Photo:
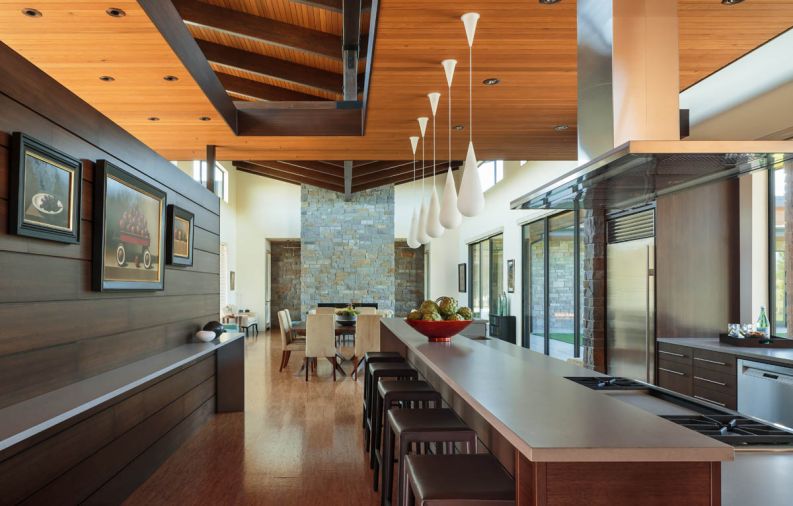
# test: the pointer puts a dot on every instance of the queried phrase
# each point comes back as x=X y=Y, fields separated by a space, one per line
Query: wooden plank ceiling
x=530 y=47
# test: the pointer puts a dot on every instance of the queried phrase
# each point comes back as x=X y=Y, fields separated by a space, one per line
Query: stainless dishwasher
x=766 y=391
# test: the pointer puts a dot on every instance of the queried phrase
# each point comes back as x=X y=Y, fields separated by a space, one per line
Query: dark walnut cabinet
x=706 y=375
x=503 y=327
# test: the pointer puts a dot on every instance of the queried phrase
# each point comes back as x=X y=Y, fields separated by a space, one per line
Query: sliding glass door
x=552 y=274
x=486 y=259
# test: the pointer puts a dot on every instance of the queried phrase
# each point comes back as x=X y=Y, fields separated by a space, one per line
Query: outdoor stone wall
x=593 y=288
x=285 y=279
x=347 y=247
x=409 y=277
x=561 y=288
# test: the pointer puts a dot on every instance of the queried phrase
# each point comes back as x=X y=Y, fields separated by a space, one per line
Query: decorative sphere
x=215 y=327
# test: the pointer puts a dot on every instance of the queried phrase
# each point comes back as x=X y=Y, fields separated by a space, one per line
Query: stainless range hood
x=628 y=90
x=640 y=171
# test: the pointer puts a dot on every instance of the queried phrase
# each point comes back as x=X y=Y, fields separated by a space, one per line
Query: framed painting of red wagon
x=129 y=231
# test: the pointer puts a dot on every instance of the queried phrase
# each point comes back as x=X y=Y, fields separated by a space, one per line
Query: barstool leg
x=388 y=464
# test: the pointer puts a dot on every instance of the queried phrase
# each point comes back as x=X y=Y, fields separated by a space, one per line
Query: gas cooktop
x=607 y=383
x=734 y=429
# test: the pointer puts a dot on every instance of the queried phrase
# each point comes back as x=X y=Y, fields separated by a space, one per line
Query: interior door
x=630 y=308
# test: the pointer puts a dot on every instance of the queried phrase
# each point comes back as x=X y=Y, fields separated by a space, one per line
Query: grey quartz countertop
x=779 y=355
x=524 y=395
x=33 y=416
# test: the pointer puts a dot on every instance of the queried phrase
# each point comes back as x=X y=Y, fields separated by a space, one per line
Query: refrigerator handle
x=649 y=273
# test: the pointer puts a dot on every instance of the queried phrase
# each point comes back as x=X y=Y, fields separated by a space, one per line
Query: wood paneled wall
x=697 y=261
x=55 y=330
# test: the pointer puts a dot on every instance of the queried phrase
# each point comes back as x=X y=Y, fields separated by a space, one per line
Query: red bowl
x=439 y=331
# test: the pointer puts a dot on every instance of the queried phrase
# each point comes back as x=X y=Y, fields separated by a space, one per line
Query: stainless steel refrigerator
x=630 y=296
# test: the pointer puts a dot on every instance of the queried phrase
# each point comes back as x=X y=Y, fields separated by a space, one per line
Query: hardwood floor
x=297 y=443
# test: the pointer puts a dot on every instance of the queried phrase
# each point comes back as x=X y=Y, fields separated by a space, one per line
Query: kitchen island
x=563 y=443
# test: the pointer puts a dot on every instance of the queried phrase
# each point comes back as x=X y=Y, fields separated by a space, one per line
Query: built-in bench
x=97 y=439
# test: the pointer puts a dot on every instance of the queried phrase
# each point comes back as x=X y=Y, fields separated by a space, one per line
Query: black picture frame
x=114 y=237
x=462 y=278
x=177 y=220
x=511 y=276
x=36 y=194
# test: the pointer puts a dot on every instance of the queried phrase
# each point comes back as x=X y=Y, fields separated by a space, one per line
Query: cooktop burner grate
x=735 y=430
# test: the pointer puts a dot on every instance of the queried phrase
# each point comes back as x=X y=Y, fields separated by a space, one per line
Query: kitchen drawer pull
x=671 y=371
x=710 y=400
x=711 y=381
x=710 y=361
x=671 y=353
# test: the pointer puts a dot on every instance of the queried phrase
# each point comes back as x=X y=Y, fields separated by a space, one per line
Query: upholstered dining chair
x=321 y=340
x=288 y=345
x=366 y=310
x=367 y=338
x=326 y=310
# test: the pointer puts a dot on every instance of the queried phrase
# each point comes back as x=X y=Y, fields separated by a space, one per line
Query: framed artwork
x=179 y=234
x=45 y=191
x=462 y=278
x=129 y=231
x=511 y=276
x=232 y=280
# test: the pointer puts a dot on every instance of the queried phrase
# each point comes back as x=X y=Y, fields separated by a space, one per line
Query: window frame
x=490 y=266
x=773 y=166
x=526 y=295
x=200 y=175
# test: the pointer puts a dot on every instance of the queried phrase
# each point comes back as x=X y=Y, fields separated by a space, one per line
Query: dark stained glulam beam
x=297 y=172
x=311 y=119
x=263 y=29
x=351 y=44
x=403 y=174
x=381 y=166
x=331 y=5
x=300 y=167
x=271 y=67
x=295 y=177
x=369 y=45
x=170 y=25
x=287 y=179
x=262 y=91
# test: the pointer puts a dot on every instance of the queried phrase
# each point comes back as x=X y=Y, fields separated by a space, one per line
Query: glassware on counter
x=734 y=330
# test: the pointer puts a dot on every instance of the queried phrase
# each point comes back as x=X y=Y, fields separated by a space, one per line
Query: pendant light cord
x=433 y=148
x=470 y=94
x=422 y=168
x=450 y=126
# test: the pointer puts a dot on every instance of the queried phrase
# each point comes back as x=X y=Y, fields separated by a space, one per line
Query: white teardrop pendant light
x=434 y=227
x=450 y=216
x=471 y=200
x=413 y=241
x=422 y=235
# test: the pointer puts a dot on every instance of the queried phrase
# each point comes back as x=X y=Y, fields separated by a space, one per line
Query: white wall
x=451 y=249
x=266 y=209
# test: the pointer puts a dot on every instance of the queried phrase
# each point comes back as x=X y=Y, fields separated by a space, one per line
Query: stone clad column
x=593 y=287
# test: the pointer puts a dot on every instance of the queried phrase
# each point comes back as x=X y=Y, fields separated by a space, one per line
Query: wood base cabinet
x=703 y=374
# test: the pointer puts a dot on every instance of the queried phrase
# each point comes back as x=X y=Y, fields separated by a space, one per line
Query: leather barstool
x=447 y=480
x=411 y=393
x=378 y=371
x=373 y=357
x=420 y=427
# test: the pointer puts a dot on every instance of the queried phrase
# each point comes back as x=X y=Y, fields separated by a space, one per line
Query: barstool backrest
x=366 y=310
x=367 y=334
x=326 y=310
x=320 y=335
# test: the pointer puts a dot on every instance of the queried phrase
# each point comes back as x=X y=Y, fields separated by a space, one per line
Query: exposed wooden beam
x=348 y=178
x=170 y=25
x=332 y=5
x=299 y=118
x=370 y=42
x=262 y=91
x=273 y=170
x=300 y=167
x=272 y=67
x=211 y=159
x=382 y=166
x=262 y=173
x=260 y=28
x=402 y=174
x=351 y=44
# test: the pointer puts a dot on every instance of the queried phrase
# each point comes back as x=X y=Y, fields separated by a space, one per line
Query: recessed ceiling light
x=31 y=13
x=459 y=127
x=205 y=118
x=107 y=79
x=154 y=118
x=731 y=2
x=171 y=78
x=549 y=2
x=491 y=81
x=561 y=128
x=116 y=12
